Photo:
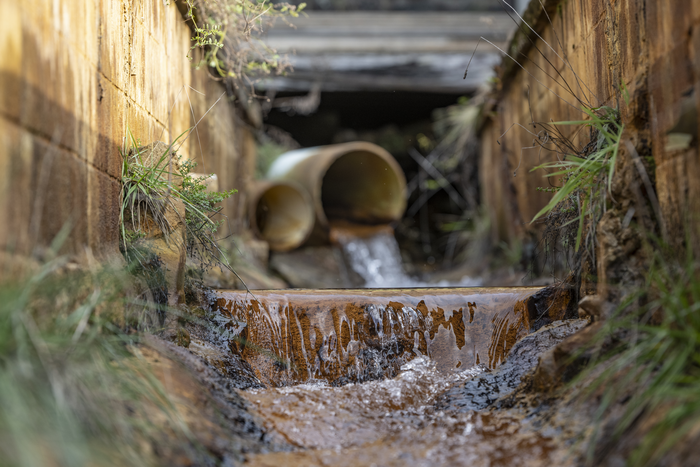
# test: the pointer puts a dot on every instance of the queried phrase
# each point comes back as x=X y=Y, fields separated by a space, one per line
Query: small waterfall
x=373 y=253
x=351 y=336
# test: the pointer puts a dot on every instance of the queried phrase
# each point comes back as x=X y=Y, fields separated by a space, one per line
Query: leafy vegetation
x=226 y=32
x=153 y=180
x=146 y=191
x=586 y=177
x=202 y=205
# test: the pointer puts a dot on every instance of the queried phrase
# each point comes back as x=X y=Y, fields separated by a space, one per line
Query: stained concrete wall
x=653 y=46
x=74 y=75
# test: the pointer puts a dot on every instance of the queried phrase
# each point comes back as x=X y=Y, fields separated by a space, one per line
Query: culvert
x=358 y=182
x=281 y=213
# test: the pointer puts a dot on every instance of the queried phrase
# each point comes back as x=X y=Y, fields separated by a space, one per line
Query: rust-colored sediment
x=342 y=336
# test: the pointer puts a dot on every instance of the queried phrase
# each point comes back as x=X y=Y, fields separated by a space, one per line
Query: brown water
x=353 y=375
x=343 y=336
x=394 y=422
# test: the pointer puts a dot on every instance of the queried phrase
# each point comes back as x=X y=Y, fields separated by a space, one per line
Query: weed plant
x=149 y=191
x=146 y=192
x=227 y=32
x=74 y=389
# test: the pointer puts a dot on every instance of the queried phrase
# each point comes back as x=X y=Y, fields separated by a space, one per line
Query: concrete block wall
x=74 y=76
x=653 y=46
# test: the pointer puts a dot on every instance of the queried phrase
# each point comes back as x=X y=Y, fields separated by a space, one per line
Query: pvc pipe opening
x=360 y=186
x=281 y=214
x=358 y=182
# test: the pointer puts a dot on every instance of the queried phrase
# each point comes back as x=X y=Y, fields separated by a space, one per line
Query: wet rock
x=359 y=335
x=553 y=303
x=393 y=422
x=565 y=360
x=484 y=390
x=206 y=342
x=237 y=372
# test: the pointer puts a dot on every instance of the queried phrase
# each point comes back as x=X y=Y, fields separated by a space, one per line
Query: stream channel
x=388 y=376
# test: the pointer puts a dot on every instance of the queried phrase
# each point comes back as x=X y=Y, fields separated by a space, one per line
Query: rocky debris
x=248 y=276
x=249 y=258
x=564 y=361
x=231 y=367
x=595 y=308
x=482 y=391
x=196 y=330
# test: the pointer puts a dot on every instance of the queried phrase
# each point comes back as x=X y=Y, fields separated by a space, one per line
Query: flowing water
x=344 y=336
x=352 y=377
x=373 y=253
x=394 y=423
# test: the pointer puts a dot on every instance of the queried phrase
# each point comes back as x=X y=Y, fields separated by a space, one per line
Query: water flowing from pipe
x=374 y=254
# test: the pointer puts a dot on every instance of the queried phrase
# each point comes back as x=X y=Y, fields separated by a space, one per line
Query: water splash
x=324 y=412
x=394 y=423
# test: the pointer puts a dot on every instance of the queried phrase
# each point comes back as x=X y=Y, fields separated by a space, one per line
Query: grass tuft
x=586 y=177
x=73 y=387
x=654 y=364
x=151 y=188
